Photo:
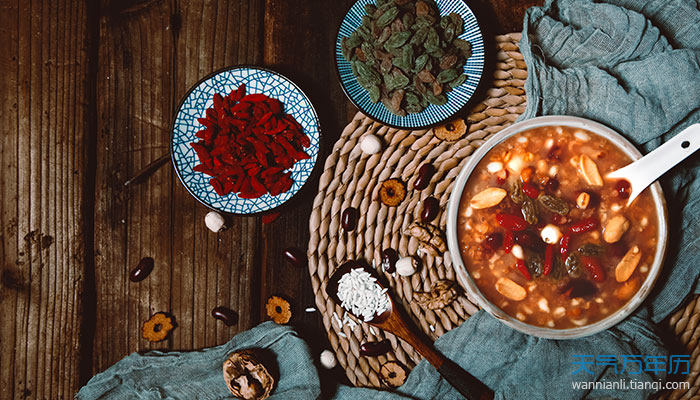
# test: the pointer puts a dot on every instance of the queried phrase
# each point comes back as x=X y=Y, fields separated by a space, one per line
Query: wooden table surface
x=88 y=90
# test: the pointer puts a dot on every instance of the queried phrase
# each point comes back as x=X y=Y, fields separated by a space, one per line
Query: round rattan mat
x=351 y=179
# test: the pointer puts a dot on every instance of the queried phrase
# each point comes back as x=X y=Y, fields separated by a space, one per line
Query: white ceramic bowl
x=470 y=286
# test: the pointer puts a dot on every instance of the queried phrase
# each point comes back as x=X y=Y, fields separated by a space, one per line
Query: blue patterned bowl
x=433 y=115
x=194 y=105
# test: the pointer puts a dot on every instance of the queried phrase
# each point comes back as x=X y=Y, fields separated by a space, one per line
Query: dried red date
x=425 y=174
x=584 y=225
x=225 y=314
x=349 y=219
x=512 y=222
x=295 y=256
x=142 y=270
x=431 y=208
x=373 y=349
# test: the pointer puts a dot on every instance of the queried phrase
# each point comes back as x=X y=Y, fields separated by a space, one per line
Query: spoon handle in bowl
x=649 y=168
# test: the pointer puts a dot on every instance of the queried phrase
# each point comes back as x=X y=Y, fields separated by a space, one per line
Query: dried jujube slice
x=393 y=373
x=392 y=192
x=158 y=327
x=451 y=131
x=278 y=309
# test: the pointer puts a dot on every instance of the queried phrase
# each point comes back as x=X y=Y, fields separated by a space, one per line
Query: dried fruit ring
x=278 y=309
x=393 y=373
x=158 y=327
x=451 y=131
x=392 y=192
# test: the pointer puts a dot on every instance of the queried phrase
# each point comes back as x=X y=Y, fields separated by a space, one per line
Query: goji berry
x=547 y=267
x=508 y=241
x=530 y=190
x=593 y=266
x=512 y=222
x=520 y=265
x=584 y=225
x=564 y=246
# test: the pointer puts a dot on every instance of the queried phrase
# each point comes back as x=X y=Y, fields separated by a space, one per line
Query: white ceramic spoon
x=649 y=168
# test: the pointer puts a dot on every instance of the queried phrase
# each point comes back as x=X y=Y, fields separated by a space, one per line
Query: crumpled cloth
x=632 y=65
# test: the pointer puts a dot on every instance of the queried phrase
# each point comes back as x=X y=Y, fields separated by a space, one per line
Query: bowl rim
x=179 y=107
x=415 y=128
x=468 y=283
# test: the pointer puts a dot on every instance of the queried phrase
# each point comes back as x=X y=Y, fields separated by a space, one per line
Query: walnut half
x=246 y=377
x=430 y=237
x=442 y=293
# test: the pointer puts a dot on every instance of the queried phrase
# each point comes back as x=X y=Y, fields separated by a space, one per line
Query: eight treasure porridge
x=546 y=237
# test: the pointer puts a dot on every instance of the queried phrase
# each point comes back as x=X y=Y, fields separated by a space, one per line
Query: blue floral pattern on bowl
x=194 y=105
x=433 y=115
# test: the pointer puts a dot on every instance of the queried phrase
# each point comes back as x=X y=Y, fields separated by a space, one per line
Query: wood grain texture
x=43 y=56
x=89 y=89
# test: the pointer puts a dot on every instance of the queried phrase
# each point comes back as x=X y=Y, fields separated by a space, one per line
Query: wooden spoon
x=394 y=322
x=649 y=168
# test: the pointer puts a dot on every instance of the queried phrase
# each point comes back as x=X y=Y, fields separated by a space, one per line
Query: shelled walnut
x=246 y=376
x=442 y=293
x=430 y=237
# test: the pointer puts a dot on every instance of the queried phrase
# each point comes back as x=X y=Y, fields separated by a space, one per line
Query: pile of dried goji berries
x=248 y=145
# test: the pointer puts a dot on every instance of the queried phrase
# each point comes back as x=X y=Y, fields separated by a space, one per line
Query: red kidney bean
x=431 y=208
x=530 y=190
x=349 y=219
x=593 y=266
x=225 y=314
x=564 y=246
x=530 y=240
x=520 y=265
x=142 y=270
x=584 y=225
x=373 y=349
x=547 y=268
x=295 y=256
x=554 y=153
x=508 y=241
x=552 y=185
x=579 y=287
x=623 y=188
x=425 y=174
x=389 y=259
x=512 y=222
x=493 y=241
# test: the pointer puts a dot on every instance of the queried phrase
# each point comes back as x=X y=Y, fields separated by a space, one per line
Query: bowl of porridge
x=543 y=240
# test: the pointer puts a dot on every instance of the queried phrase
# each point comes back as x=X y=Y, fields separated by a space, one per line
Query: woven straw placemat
x=351 y=179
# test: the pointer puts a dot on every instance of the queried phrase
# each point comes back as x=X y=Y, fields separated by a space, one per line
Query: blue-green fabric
x=632 y=65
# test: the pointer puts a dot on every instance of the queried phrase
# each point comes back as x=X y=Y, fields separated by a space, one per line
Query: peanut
x=628 y=264
x=582 y=200
x=487 y=198
x=589 y=170
x=615 y=228
x=510 y=289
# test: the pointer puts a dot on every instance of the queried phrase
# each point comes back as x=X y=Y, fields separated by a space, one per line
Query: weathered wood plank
x=44 y=61
x=149 y=57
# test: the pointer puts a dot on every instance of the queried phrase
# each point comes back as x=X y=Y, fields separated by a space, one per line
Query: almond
x=589 y=170
x=615 y=228
x=510 y=289
x=487 y=198
x=628 y=264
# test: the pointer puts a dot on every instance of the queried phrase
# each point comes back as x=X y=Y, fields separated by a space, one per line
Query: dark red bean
x=389 y=259
x=373 y=349
x=623 y=188
x=349 y=219
x=579 y=287
x=584 y=225
x=225 y=314
x=295 y=256
x=493 y=241
x=141 y=271
x=594 y=268
x=512 y=222
x=554 y=153
x=431 y=208
x=530 y=240
x=552 y=185
x=530 y=190
x=425 y=174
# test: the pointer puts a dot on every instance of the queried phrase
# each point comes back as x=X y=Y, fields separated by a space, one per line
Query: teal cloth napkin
x=630 y=64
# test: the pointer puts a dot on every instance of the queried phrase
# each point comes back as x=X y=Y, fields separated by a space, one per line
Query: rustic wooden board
x=88 y=92
x=43 y=90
